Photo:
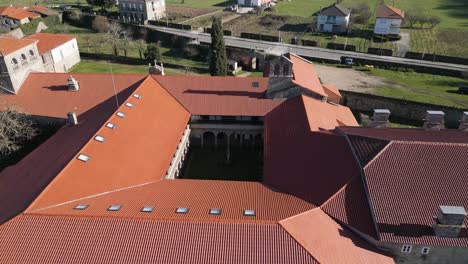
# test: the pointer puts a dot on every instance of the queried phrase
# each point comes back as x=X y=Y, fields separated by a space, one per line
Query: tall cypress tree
x=218 y=61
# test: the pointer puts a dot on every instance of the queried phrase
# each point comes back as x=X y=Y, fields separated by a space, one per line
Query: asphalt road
x=320 y=53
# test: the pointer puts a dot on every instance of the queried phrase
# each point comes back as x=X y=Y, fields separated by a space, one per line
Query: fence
x=339 y=46
x=435 y=57
x=260 y=37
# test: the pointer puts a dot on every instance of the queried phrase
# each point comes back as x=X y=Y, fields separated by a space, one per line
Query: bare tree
x=100 y=24
x=15 y=128
x=141 y=46
x=114 y=36
x=433 y=21
x=411 y=18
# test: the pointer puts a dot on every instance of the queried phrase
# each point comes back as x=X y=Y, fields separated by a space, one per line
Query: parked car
x=463 y=89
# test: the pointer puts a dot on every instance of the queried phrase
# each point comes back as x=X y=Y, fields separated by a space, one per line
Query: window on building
x=31 y=53
x=406 y=248
x=425 y=250
x=141 y=7
x=277 y=70
x=142 y=17
x=285 y=70
x=14 y=62
x=23 y=57
x=123 y=6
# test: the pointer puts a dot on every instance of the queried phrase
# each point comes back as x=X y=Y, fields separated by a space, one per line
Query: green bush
x=30 y=28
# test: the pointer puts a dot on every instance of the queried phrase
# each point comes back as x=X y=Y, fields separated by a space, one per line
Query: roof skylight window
x=255 y=84
x=249 y=212
x=137 y=96
x=182 y=210
x=81 y=206
x=215 y=211
x=120 y=114
x=114 y=207
x=110 y=125
x=129 y=104
x=99 y=138
x=147 y=209
x=83 y=157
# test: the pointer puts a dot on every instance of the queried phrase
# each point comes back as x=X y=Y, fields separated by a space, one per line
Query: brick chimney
x=464 y=122
x=434 y=120
x=449 y=221
x=72 y=119
x=73 y=85
x=380 y=118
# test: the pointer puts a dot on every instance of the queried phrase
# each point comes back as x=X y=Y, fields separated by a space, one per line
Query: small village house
x=333 y=19
x=388 y=20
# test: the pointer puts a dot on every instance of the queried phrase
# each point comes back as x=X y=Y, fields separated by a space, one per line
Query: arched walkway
x=208 y=139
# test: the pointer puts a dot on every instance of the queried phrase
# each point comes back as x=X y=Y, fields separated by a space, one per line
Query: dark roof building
x=335 y=10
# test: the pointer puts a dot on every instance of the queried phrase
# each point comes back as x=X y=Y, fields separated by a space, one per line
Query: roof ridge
x=337 y=192
x=169 y=93
x=378 y=154
x=409 y=142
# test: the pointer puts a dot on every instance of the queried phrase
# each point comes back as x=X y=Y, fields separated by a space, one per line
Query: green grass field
x=201 y=3
x=426 y=88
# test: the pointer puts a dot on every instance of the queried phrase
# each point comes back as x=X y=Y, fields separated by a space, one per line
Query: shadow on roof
x=228 y=93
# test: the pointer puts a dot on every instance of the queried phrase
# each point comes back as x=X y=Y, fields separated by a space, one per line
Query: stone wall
x=399 y=108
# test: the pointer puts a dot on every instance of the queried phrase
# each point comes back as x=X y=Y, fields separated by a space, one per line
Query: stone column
x=228 y=154
x=216 y=140
x=241 y=138
x=202 y=136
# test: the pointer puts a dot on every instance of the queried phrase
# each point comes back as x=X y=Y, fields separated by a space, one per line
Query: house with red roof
x=14 y=16
x=388 y=20
x=105 y=187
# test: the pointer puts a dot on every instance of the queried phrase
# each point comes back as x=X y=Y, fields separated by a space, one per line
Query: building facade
x=140 y=11
x=388 y=20
x=334 y=19
x=253 y=2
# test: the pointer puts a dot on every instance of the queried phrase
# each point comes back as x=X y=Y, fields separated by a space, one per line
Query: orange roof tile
x=41 y=10
x=10 y=45
x=48 y=42
x=385 y=11
x=57 y=101
x=304 y=75
x=199 y=196
x=229 y=96
x=152 y=128
x=16 y=12
x=331 y=90
x=329 y=242
x=323 y=115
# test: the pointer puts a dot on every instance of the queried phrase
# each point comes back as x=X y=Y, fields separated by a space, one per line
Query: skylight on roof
x=120 y=114
x=114 y=207
x=147 y=209
x=83 y=157
x=137 y=96
x=182 y=210
x=129 y=104
x=110 y=125
x=81 y=206
x=249 y=212
x=255 y=84
x=215 y=211
x=99 y=138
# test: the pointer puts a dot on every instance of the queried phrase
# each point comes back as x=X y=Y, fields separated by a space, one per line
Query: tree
x=114 y=36
x=361 y=14
x=101 y=3
x=15 y=128
x=141 y=46
x=434 y=21
x=218 y=61
x=153 y=53
x=100 y=24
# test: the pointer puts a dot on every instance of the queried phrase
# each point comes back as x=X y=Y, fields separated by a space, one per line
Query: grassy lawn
x=201 y=3
x=210 y=164
x=426 y=88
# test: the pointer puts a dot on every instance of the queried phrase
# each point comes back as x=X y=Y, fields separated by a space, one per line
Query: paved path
x=403 y=44
x=314 y=52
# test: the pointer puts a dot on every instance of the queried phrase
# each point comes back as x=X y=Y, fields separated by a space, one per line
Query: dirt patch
x=181 y=13
x=348 y=79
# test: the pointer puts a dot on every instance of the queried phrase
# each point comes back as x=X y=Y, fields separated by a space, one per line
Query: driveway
x=403 y=45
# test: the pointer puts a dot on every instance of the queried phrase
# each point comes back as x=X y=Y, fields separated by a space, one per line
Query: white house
x=140 y=11
x=253 y=2
x=334 y=19
x=388 y=20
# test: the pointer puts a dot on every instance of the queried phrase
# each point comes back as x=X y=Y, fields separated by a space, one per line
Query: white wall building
x=388 y=20
x=140 y=11
x=253 y=2
x=334 y=19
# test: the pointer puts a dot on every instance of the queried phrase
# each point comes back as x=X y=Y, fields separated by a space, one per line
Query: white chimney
x=380 y=118
x=464 y=122
x=73 y=85
x=72 y=119
x=449 y=221
x=434 y=120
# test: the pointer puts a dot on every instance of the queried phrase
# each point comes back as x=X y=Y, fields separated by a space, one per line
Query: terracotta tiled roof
x=331 y=90
x=41 y=10
x=199 y=196
x=110 y=240
x=304 y=75
x=229 y=96
x=16 y=12
x=57 y=101
x=408 y=134
x=366 y=148
x=329 y=242
x=152 y=128
x=385 y=11
x=48 y=42
x=10 y=45
x=407 y=183
x=322 y=115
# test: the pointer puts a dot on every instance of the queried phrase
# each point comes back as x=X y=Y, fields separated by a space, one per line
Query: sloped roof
x=10 y=45
x=48 y=42
x=232 y=197
x=335 y=10
x=331 y=90
x=57 y=101
x=329 y=242
x=146 y=131
x=228 y=96
x=386 y=11
x=407 y=183
x=16 y=12
x=41 y=10
x=111 y=240
x=323 y=115
x=304 y=74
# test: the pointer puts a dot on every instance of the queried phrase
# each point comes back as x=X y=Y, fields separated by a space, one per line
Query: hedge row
x=304 y=42
x=339 y=46
x=435 y=57
x=170 y=25
x=225 y=32
x=260 y=37
x=381 y=52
